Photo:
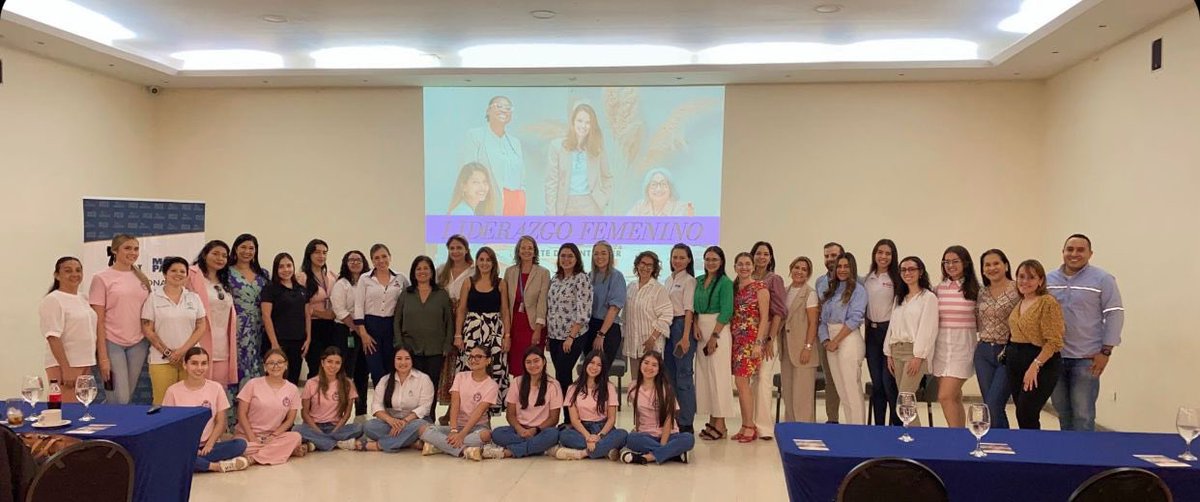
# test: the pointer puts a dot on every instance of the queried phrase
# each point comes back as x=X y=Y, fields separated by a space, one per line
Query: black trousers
x=357 y=369
x=326 y=333
x=292 y=349
x=612 y=340
x=431 y=366
x=1018 y=358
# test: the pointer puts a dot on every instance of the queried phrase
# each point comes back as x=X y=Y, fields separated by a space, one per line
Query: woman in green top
x=424 y=321
x=713 y=308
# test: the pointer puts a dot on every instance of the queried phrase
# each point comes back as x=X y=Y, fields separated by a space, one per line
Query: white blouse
x=414 y=395
x=915 y=321
x=71 y=319
x=173 y=322
x=343 y=296
x=647 y=311
x=681 y=288
x=377 y=299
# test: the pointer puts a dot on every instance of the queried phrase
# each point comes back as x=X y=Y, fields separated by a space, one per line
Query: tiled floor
x=724 y=470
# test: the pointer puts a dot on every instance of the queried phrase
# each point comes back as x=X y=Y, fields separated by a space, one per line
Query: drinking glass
x=85 y=392
x=16 y=417
x=1188 y=423
x=979 y=421
x=31 y=391
x=906 y=409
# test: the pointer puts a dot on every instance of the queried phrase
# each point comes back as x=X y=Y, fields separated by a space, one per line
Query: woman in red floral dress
x=751 y=303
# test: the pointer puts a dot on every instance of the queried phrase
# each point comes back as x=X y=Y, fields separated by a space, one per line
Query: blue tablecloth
x=163 y=445
x=1048 y=465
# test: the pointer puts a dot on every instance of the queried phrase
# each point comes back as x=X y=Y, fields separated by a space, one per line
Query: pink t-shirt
x=647 y=413
x=268 y=407
x=534 y=415
x=472 y=394
x=324 y=408
x=211 y=396
x=586 y=404
x=122 y=295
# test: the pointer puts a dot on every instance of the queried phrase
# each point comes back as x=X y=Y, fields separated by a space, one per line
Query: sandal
x=742 y=438
x=711 y=433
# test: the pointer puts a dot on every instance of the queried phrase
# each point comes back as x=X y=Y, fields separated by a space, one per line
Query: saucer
x=44 y=425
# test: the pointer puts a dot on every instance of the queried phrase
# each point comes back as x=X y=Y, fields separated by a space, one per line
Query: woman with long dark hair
x=267 y=408
x=474 y=391
x=342 y=299
x=212 y=454
x=1035 y=363
x=749 y=326
x=482 y=320
x=424 y=321
x=286 y=315
x=713 y=309
x=912 y=332
x=208 y=277
x=680 y=351
x=532 y=414
x=459 y=268
x=954 y=354
x=880 y=283
x=401 y=401
x=327 y=405
x=997 y=298
x=843 y=307
x=68 y=324
x=317 y=280
x=761 y=382
x=568 y=307
x=592 y=431
x=655 y=437
x=247 y=278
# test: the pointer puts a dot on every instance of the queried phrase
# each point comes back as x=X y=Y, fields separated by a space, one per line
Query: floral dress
x=246 y=301
x=744 y=326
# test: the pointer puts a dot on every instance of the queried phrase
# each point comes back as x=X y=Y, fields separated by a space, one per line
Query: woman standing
x=880 y=283
x=608 y=298
x=955 y=350
x=247 y=278
x=375 y=304
x=286 y=314
x=68 y=324
x=713 y=310
x=578 y=182
x=842 y=311
x=473 y=393
x=762 y=381
x=425 y=321
x=526 y=285
x=912 y=333
x=681 y=349
x=342 y=300
x=267 y=408
x=482 y=320
x=997 y=298
x=173 y=322
x=569 y=303
x=401 y=399
x=318 y=281
x=593 y=418
x=459 y=268
x=1033 y=354
x=117 y=295
x=797 y=353
x=212 y=455
x=209 y=279
x=532 y=414
x=647 y=309
x=749 y=326
x=326 y=405
x=655 y=438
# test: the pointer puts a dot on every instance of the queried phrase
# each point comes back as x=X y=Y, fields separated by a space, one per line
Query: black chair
x=103 y=470
x=17 y=466
x=891 y=478
x=927 y=392
x=1125 y=484
x=778 y=383
x=617 y=369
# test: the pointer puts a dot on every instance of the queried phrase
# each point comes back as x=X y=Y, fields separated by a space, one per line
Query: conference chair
x=926 y=393
x=17 y=467
x=1125 y=484
x=98 y=471
x=892 y=478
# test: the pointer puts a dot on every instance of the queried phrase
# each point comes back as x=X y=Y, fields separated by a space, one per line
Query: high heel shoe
x=742 y=438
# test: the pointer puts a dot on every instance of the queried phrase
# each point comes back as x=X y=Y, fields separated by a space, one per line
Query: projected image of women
x=659 y=197
x=578 y=182
x=497 y=149
x=473 y=193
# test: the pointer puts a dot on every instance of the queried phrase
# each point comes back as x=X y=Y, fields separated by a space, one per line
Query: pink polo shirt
x=533 y=415
x=122 y=295
x=586 y=403
x=268 y=407
x=955 y=311
x=211 y=396
x=647 y=413
x=472 y=394
x=324 y=408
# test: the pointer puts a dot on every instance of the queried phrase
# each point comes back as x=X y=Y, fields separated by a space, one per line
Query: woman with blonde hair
x=578 y=181
x=117 y=295
x=608 y=299
x=473 y=193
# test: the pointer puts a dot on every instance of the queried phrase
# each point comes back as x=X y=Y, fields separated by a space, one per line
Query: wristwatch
x=808 y=346
x=454 y=431
x=1106 y=351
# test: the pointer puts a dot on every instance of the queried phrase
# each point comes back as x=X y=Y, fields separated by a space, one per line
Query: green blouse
x=718 y=302
x=427 y=328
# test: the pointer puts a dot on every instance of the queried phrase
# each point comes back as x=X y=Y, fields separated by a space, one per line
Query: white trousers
x=714 y=372
x=846 y=366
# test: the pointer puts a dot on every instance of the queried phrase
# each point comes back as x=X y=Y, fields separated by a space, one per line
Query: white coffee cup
x=51 y=416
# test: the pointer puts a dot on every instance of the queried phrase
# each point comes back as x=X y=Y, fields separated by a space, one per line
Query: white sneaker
x=429 y=449
x=473 y=453
x=570 y=454
x=234 y=464
x=553 y=451
x=348 y=444
x=492 y=451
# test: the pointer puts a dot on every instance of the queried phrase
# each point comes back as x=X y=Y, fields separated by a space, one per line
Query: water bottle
x=55 y=402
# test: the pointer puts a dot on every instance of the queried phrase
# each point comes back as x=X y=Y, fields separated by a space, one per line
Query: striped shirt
x=954 y=310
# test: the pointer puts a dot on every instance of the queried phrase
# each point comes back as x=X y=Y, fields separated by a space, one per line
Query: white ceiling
x=444 y=27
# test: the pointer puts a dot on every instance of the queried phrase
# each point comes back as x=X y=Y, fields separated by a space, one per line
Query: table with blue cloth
x=1047 y=465
x=163 y=445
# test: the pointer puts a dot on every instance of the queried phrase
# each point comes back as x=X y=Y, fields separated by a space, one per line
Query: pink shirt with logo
x=211 y=396
x=324 y=408
x=586 y=403
x=647 y=413
x=268 y=406
x=122 y=295
x=472 y=394
x=533 y=415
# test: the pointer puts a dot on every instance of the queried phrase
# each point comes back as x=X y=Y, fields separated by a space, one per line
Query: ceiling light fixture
x=543 y=14
x=1034 y=14
x=72 y=18
x=572 y=55
x=828 y=8
x=229 y=59
x=274 y=18
x=904 y=49
x=374 y=57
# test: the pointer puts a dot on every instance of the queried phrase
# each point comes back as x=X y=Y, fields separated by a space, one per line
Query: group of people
x=464 y=335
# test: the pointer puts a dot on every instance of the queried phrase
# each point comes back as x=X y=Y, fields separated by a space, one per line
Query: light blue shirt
x=608 y=292
x=1092 y=310
x=462 y=209
x=579 y=173
x=833 y=311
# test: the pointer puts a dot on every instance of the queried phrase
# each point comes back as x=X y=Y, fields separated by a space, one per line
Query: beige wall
x=64 y=133
x=1122 y=168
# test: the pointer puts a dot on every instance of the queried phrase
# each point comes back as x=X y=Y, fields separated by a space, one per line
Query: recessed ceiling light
x=274 y=18
x=229 y=59
x=1103 y=26
x=374 y=56
x=72 y=18
x=572 y=55
x=903 y=49
x=828 y=8
x=543 y=14
x=1034 y=14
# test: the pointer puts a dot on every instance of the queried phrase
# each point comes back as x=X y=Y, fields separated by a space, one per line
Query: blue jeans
x=1074 y=397
x=379 y=431
x=571 y=438
x=520 y=447
x=325 y=437
x=681 y=374
x=223 y=450
x=381 y=329
x=993 y=382
x=127 y=364
x=883 y=385
x=678 y=444
x=439 y=436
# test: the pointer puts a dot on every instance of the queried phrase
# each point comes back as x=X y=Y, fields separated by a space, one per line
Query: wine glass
x=85 y=392
x=979 y=421
x=906 y=409
x=1188 y=423
x=31 y=391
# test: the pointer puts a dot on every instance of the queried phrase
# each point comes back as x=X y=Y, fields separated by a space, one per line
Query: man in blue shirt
x=1094 y=315
x=832 y=402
